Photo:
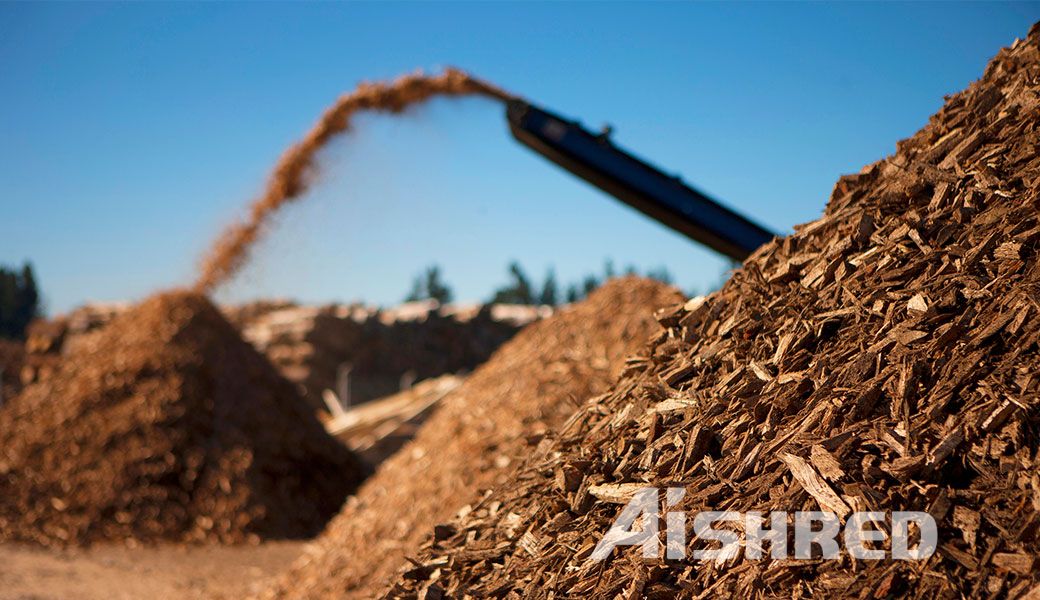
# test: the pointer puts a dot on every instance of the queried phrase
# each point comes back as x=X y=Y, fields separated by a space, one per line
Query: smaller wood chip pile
x=165 y=424
x=882 y=358
x=529 y=386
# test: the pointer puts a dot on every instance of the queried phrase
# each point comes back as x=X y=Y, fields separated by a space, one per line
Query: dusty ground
x=117 y=572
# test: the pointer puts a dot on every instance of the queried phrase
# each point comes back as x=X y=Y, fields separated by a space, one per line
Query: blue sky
x=131 y=133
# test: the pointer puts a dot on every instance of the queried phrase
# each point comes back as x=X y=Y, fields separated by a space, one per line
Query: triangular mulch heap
x=528 y=387
x=884 y=357
x=166 y=425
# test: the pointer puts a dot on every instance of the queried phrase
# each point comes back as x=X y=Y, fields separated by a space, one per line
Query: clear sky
x=131 y=133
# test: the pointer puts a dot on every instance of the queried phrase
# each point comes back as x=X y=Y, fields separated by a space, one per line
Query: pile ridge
x=528 y=387
x=881 y=358
x=166 y=425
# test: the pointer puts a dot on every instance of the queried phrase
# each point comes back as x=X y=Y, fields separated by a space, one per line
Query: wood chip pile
x=881 y=358
x=166 y=425
x=530 y=386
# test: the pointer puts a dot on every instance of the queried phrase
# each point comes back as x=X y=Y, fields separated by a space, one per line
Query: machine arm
x=665 y=198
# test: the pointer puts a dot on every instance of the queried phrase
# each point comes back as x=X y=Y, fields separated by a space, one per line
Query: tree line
x=521 y=289
x=19 y=300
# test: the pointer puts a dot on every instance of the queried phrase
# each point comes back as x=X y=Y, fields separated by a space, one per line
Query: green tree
x=518 y=290
x=661 y=274
x=430 y=284
x=417 y=291
x=19 y=300
x=8 y=303
x=436 y=288
x=589 y=285
x=28 y=297
x=550 y=289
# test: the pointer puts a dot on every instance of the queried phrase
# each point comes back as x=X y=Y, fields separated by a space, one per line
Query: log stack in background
x=377 y=429
x=414 y=341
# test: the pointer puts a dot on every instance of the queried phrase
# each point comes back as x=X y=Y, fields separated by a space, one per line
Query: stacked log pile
x=530 y=386
x=881 y=358
x=377 y=429
x=166 y=425
x=311 y=345
x=307 y=345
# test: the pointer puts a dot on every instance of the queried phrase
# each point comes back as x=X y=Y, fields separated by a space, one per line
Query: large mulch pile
x=166 y=425
x=884 y=357
x=530 y=386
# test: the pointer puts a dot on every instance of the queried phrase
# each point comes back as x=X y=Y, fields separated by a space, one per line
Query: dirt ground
x=116 y=572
